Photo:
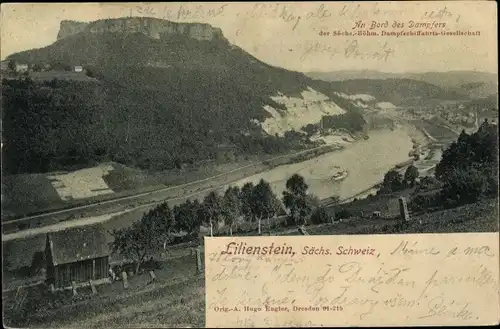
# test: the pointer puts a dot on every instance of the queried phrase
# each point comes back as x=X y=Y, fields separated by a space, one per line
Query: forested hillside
x=397 y=91
x=468 y=84
x=156 y=104
x=469 y=167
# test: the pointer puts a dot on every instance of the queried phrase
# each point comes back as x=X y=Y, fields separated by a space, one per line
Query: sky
x=288 y=34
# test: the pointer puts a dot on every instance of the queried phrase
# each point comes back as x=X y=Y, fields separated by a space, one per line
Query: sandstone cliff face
x=152 y=27
x=68 y=28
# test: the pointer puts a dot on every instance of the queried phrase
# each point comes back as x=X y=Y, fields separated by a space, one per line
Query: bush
x=320 y=216
x=343 y=213
x=290 y=221
x=424 y=202
x=125 y=267
x=151 y=265
x=428 y=183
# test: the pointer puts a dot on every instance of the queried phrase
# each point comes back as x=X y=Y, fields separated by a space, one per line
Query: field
x=28 y=193
x=34 y=193
x=83 y=183
x=177 y=298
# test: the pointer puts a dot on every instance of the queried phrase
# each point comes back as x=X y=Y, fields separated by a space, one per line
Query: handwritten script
x=287 y=14
x=349 y=49
x=409 y=280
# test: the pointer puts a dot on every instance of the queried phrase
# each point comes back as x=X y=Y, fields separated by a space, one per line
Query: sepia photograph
x=133 y=132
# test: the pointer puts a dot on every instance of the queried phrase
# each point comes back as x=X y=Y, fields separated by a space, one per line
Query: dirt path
x=59 y=226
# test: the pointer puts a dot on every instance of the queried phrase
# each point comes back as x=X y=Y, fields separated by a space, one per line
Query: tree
x=187 y=216
x=468 y=168
x=335 y=200
x=297 y=185
x=231 y=207
x=457 y=155
x=264 y=203
x=36 y=67
x=145 y=236
x=246 y=195
x=393 y=181
x=212 y=210
x=343 y=214
x=411 y=174
x=429 y=183
x=310 y=129
x=295 y=199
x=164 y=217
x=464 y=185
x=11 y=65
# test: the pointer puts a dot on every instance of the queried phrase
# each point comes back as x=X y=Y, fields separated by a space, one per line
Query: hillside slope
x=470 y=84
x=167 y=94
x=396 y=91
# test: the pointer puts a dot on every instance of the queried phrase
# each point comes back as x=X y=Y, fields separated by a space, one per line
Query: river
x=366 y=161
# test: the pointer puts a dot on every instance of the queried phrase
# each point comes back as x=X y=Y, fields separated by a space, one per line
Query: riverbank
x=366 y=160
x=176 y=194
x=31 y=239
x=317 y=165
x=125 y=212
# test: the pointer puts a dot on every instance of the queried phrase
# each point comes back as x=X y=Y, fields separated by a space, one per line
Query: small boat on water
x=340 y=175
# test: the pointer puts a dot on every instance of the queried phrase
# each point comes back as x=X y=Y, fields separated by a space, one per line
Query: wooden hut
x=79 y=254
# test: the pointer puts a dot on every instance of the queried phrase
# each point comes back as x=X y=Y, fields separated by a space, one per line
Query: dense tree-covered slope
x=157 y=102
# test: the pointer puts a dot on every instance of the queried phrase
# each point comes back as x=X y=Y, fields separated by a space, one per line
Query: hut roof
x=77 y=244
